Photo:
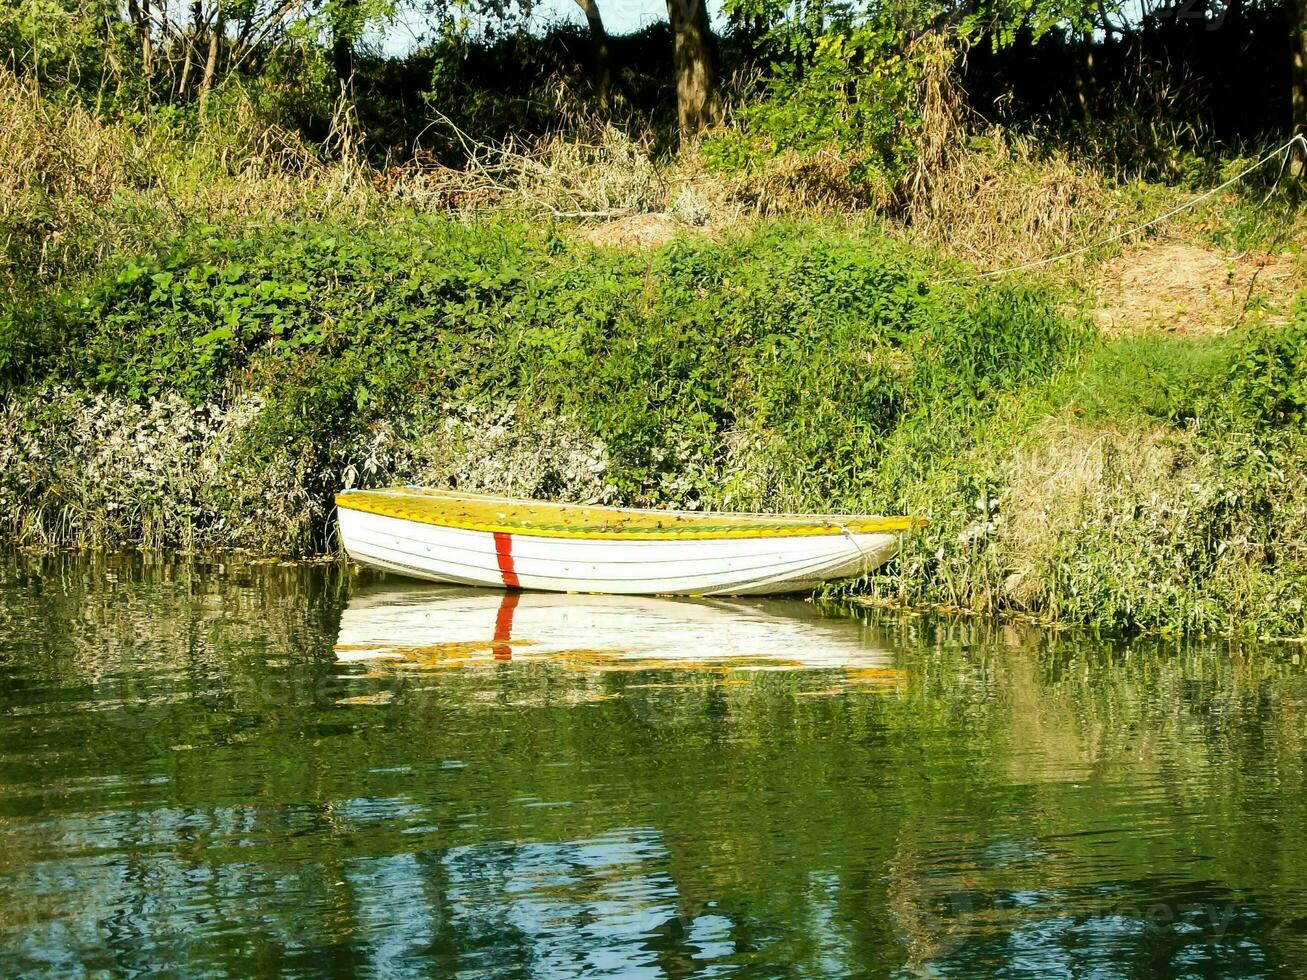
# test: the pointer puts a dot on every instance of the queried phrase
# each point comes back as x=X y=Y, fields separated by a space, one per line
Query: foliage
x=791 y=330
x=853 y=88
x=1270 y=373
x=1120 y=481
x=68 y=43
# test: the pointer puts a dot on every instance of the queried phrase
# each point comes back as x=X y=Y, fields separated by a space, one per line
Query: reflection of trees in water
x=1097 y=759
x=89 y=616
x=1018 y=794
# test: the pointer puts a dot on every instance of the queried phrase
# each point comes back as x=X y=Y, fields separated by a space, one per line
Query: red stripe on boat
x=504 y=626
x=504 y=554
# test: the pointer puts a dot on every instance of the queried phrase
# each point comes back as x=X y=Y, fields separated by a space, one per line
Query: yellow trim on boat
x=538 y=518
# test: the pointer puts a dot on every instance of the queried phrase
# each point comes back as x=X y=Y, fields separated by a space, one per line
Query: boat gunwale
x=752 y=526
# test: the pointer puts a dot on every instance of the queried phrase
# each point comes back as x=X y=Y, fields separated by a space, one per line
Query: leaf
x=215 y=335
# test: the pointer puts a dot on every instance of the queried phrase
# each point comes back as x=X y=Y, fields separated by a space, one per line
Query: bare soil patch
x=636 y=231
x=1191 y=289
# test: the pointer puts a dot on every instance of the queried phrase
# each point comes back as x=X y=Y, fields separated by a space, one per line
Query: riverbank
x=215 y=392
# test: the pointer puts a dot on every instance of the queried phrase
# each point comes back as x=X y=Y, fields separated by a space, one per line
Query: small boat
x=502 y=542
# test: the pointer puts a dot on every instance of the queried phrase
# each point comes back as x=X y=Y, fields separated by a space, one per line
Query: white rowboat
x=502 y=542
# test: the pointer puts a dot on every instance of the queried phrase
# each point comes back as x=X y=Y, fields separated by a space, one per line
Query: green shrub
x=852 y=88
x=31 y=338
x=796 y=367
x=1269 y=373
x=793 y=334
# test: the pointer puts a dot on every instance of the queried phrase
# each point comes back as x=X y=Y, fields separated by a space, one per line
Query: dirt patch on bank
x=1189 y=289
x=636 y=231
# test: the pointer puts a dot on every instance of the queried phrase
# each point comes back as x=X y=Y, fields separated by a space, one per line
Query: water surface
x=228 y=768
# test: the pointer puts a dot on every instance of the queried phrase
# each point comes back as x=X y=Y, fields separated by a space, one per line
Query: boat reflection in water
x=452 y=627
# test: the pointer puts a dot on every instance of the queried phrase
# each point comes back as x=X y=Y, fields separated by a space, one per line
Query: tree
x=698 y=104
x=1298 y=18
x=346 y=24
x=602 y=57
x=216 y=38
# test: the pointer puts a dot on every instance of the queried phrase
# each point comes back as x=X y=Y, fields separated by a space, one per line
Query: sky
x=620 y=17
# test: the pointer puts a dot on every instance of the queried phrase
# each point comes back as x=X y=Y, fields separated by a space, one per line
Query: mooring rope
x=1298 y=139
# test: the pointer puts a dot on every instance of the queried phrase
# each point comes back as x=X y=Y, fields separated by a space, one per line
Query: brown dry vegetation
x=595 y=171
x=1187 y=288
x=75 y=188
x=633 y=232
x=1057 y=478
x=1003 y=202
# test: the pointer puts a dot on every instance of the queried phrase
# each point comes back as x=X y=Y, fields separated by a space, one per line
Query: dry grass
x=596 y=171
x=1187 y=289
x=988 y=196
x=1061 y=477
x=74 y=188
x=633 y=232
x=819 y=182
x=1003 y=202
x=45 y=153
x=943 y=134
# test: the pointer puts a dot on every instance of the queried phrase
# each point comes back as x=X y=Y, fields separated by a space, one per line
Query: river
x=228 y=768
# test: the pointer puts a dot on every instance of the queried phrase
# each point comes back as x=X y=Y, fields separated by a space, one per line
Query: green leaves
x=817 y=342
x=213 y=336
x=1269 y=375
x=838 y=79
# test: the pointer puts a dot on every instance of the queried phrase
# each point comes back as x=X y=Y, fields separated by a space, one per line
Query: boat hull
x=703 y=566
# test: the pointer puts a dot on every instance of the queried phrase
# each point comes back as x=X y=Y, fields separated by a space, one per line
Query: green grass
x=1129 y=483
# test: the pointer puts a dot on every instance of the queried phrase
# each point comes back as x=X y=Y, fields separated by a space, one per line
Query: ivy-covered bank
x=216 y=393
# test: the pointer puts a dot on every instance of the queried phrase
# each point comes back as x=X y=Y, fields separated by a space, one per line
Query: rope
x=1299 y=139
x=862 y=552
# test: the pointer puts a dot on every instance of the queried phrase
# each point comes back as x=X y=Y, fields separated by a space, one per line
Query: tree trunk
x=698 y=105
x=1298 y=18
x=1298 y=13
x=1084 y=79
x=342 y=56
x=140 y=17
x=603 y=60
x=193 y=38
x=147 y=42
x=211 y=62
x=342 y=45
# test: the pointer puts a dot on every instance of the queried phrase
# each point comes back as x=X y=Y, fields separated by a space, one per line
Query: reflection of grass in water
x=688 y=686
x=430 y=654
x=878 y=676
x=380 y=697
x=486 y=661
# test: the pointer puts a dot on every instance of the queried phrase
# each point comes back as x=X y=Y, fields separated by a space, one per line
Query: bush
x=853 y=89
x=791 y=335
x=1269 y=373
x=796 y=367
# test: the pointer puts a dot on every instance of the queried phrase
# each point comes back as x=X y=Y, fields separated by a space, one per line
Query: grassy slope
x=202 y=340
x=216 y=392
